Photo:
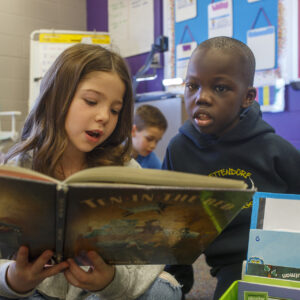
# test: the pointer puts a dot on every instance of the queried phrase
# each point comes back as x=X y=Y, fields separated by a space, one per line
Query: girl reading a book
x=82 y=118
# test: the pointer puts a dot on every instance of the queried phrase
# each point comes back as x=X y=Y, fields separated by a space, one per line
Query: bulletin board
x=245 y=16
x=46 y=45
x=267 y=26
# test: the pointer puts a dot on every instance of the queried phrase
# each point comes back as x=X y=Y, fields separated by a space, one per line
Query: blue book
x=275 y=230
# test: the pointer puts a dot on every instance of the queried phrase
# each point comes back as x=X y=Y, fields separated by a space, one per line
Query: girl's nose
x=102 y=115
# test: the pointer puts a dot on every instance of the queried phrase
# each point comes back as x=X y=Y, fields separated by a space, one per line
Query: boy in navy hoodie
x=225 y=136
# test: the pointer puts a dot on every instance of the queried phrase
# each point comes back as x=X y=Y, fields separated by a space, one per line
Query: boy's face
x=216 y=90
x=145 y=141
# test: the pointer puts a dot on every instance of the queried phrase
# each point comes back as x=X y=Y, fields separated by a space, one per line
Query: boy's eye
x=191 y=86
x=221 y=88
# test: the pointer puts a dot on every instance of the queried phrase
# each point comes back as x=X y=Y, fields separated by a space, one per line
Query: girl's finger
x=71 y=278
x=76 y=270
x=106 y=271
x=55 y=269
x=22 y=257
x=97 y=260
x=78 y=274
x=41 y=261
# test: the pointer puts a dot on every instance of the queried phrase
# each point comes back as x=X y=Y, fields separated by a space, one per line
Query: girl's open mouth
x=93 y=135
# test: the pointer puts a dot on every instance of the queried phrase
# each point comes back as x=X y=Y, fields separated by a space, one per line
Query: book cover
x=278 y=248
x=275 y=230
x=129 y=216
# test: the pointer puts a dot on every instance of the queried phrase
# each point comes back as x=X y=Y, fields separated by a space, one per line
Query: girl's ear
x=133 y=131
x=250 y=97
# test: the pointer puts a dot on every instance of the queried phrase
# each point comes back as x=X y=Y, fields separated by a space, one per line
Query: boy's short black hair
x=236 y=47
x=149 y=116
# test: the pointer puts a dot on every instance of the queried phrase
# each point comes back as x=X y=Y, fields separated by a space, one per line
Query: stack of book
x=272 y=269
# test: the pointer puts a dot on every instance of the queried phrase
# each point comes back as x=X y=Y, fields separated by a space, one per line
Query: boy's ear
x=133 y=131
x=250 y=97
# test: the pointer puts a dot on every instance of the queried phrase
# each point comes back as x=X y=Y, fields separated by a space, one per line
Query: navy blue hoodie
x=252 y=152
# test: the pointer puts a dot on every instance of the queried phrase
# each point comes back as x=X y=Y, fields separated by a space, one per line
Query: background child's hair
x=44 y=130
x=149 y=116
x=235 y=47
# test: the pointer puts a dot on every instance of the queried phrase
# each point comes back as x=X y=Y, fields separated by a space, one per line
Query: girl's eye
x=115 y=111
x=90 y=102
x=221 y=88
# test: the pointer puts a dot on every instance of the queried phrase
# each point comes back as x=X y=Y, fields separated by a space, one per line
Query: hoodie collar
x=250 y=125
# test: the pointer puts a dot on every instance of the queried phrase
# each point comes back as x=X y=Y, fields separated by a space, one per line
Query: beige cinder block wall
x=18 y=18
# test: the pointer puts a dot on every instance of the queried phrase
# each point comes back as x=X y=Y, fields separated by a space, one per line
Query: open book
x=128 y=215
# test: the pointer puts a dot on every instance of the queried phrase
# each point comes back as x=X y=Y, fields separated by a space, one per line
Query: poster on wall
x=220 y=19
x=185 y=9
x=262 y=43
x=271 y=97
x=123 y=17
x=183 y=53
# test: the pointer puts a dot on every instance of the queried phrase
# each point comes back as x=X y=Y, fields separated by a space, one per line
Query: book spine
x=61 y=204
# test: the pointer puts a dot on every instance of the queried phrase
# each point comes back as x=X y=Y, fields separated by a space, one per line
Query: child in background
x=149 y=126
x=225 y=136
x=81 y=119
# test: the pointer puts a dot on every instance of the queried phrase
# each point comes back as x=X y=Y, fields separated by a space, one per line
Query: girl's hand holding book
x=23 y=275
x=99 y=276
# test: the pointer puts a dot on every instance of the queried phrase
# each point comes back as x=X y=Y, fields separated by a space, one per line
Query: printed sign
x=183 y=53
x=185 y=9
x=262 y=43
x=220 y=19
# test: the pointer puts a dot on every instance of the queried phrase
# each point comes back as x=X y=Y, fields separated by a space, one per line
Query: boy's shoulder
x=272 y=140
x=150 y=161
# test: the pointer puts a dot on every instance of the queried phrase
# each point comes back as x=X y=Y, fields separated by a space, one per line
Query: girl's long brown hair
x=44 y=129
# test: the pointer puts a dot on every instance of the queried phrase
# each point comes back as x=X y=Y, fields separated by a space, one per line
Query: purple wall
x=286 y=124
x=97 y=19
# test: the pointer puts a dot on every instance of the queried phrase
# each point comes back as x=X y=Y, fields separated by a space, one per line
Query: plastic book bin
x=232 y=292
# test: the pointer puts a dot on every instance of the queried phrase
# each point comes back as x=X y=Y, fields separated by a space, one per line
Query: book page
x=23 y=173
x=282 y=214
x=153 y=177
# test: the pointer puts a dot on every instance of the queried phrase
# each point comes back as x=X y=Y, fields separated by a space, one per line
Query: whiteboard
x=131 y=25
x=45 y=47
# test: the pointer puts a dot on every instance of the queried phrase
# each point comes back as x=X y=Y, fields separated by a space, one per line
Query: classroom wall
x=287 y=123
x=18 y=18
